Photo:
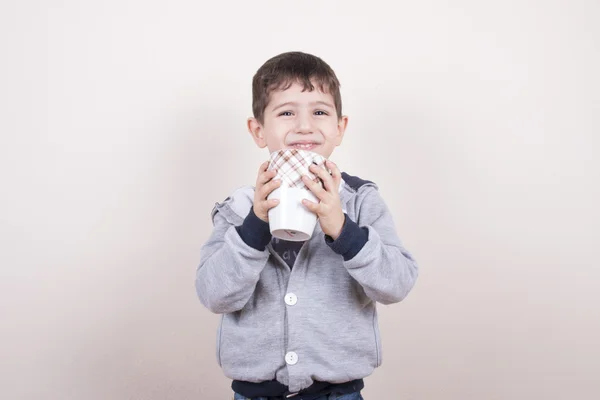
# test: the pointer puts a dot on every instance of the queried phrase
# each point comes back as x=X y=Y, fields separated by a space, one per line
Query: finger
x=323 y=175
x=263 y=167
x=314 y=187
x=266 y=176
x=266 y=190
x=314 y=207
x=271 y=203
x=335 y=173
x=261 y=171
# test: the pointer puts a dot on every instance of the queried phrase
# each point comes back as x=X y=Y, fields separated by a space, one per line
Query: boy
x=299 y=318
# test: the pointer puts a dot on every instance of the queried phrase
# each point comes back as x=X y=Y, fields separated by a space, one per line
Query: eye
x=321 y=112
x=285 y=114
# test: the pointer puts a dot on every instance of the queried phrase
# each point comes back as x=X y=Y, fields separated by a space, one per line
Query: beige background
x=479 y=121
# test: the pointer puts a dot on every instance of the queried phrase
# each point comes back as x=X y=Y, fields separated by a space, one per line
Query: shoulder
x=365 y=195
x=240 y=201
x=356 y=183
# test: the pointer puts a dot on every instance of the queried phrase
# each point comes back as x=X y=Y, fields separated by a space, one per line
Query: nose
x=304 y=123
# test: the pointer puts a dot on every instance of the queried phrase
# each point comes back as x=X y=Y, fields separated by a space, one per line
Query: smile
x=304 y=146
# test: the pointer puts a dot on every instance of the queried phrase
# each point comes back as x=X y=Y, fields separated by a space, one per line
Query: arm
x=231 y=262
x=373 y=253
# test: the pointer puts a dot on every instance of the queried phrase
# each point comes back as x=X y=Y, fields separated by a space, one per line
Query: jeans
x=333 y=396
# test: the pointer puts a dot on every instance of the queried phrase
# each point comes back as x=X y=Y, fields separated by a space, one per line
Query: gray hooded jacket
x=317 y=320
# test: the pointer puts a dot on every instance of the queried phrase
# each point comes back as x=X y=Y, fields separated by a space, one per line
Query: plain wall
x=123 y=122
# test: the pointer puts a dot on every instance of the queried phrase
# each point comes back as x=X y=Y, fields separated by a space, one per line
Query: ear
x=256 y=131
x=341 y=129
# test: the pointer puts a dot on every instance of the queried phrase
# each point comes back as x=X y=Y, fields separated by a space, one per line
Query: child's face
x=294 y=117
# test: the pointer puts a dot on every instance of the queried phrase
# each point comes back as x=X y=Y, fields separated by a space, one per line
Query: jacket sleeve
x=373 y=253
x=231 y=262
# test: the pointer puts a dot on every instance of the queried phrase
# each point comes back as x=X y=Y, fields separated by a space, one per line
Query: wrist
x=337 y=232
x=351 y=240
x=254 y=231
x=264 y=219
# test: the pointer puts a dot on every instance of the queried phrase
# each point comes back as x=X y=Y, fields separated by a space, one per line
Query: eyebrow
x=292 y=103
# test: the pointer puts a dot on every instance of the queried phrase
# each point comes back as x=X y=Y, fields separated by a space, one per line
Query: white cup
x=290 y=219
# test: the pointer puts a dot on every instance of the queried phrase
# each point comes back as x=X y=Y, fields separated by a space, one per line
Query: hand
x=264 y=186
x=329 y=210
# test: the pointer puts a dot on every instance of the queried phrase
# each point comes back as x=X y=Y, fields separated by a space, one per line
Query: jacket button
x=291 y=299
x=291 y=358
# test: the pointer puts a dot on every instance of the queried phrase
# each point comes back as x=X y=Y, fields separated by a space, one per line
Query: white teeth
x=304 y=146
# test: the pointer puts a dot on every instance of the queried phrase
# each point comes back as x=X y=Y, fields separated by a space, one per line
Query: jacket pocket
x=219 y=333
x=377 y=336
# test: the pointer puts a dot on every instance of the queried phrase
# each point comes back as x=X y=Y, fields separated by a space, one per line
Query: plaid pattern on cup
x=291 y=164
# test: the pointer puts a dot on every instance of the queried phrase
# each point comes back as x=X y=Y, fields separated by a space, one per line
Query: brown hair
x=280 y=72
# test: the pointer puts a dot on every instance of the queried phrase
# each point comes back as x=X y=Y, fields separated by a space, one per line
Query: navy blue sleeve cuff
x=351 y=240
x=254 y=231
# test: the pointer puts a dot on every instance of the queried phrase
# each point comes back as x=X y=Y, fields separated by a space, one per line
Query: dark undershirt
x=287 y=250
